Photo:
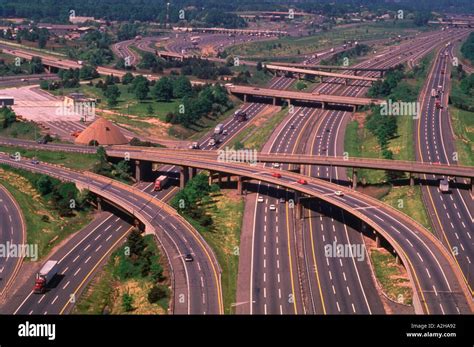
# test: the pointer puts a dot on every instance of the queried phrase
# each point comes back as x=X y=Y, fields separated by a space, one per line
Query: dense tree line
x=121 y=171
x=64 y=196
x=383 y=88
x=96 y=50
x=34 y=66
x=32 y=34
x=207 y=12
x=467 y=48
x=211 y=101
x=462 y=93
x=204 y=69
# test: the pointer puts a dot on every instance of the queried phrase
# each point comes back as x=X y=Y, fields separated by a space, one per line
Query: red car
x=302 y=181
x=276 y=174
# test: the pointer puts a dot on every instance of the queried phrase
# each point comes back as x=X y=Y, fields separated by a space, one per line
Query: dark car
x=188 y=258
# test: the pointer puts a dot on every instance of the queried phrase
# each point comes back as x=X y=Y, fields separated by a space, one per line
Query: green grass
x=98 y=294
x=408 y=200
x=291 y=46
x=46 y=234
x=103 y=294
x=76 y=161
x=359 y=142
x=21 y=130
x=127 y=102
x=226 y=211
x=388 y=275
x=255 y=137
x=463 y=125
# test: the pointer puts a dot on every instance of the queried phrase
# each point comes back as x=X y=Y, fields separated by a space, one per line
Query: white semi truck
x=45 y=275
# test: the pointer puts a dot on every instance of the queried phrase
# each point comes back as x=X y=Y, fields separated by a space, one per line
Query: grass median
x=76 y=161
x=45 y=227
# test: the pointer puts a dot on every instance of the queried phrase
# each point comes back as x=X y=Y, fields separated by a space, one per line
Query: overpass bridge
x=415 y=246
x=301 y=72
x=255 y=32
x=330 y=68
x=323 y=99
x=120 y=151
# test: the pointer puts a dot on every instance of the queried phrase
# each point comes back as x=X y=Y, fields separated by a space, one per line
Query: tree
x=127 y=302
x=63 y=196
x=182 y=87
x=9 y=116
x=149 y=109
x=88 y=72
x=127 y=78
x=44 y=185
x=36 y=65
x=157 y=293
x=136 y=243
x=112 y=93
x=141 y=90
x=163 y=89
x=42 y=40
x=156 y=271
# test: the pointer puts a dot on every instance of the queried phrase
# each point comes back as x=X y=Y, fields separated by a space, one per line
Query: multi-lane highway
x=196 y=285
x=78 y=259
x=436 y=280
x=451 y=213
x=13 y=233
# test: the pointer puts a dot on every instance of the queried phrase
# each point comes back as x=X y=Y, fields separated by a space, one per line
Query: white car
x=260 y=199
x=276 y=165
x=339 y=193
x=272 y=208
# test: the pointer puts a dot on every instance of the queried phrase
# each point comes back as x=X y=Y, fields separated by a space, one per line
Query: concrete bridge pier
x=240 y=185
x=354 y=178
x=192 y=172
x=412 y=180
x=138 y=171
x=183 y=176
x=298 y=206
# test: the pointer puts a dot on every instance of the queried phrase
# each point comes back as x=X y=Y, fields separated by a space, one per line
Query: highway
x=306 y=298
x=396 y=59
x=451 y=213
x=431 y=269
x=319 y=145
x=12 y=232
x=78 y=258
x=341 y=293
x=197 y=288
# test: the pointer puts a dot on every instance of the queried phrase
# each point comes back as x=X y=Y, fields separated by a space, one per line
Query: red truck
x=45 y=275
x=160 y=182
